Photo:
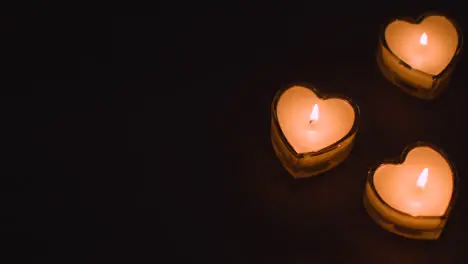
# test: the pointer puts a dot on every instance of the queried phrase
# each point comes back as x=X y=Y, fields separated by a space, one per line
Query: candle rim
x=415 y=21
x=399 y=160
x=321 y=96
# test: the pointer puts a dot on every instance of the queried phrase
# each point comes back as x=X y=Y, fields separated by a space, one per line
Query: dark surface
x=158 y=149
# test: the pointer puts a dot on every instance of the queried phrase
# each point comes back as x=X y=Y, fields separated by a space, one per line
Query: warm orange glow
x=410 y=43
x=423 y=39
x=422 y=180
x=314 y=115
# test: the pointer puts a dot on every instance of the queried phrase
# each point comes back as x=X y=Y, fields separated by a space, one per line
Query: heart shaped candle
x=311 y=133
x=419 y=56
x=413 y=195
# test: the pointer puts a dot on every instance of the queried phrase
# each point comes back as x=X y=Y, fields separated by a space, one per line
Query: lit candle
x=311 y=134
x=419 y=56
x=412 y=198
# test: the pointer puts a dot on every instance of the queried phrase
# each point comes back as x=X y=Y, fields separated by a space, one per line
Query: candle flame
x=423 y=39
x=314 y=115
x=422 y=180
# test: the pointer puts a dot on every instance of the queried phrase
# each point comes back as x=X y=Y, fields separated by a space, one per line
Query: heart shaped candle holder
x=312 y=133
x=419 y=55
x=412 y=195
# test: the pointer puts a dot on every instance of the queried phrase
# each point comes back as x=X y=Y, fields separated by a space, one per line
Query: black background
x=151 y=143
